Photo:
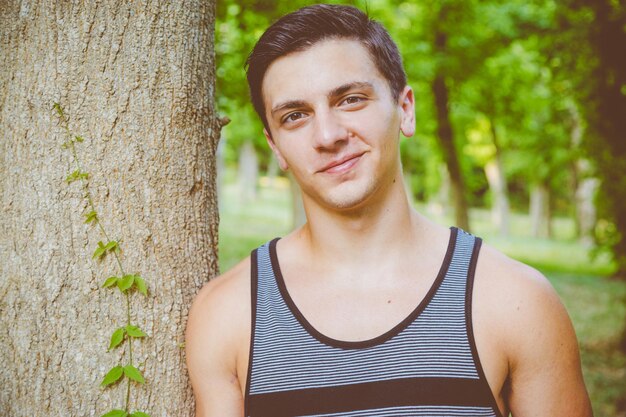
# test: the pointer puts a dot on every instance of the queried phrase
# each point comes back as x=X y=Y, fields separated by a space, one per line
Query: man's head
x=305 y=27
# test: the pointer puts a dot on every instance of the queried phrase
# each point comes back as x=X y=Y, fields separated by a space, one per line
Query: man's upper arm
x=212 y=340
x=545 y=374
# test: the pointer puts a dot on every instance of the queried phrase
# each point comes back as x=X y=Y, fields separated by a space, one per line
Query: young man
x=369 y=309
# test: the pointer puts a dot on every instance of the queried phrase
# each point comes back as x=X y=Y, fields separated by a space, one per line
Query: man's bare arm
x=545 y=376
x=213 y=336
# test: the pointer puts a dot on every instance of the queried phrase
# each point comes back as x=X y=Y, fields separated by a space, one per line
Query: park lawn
x=596 y=304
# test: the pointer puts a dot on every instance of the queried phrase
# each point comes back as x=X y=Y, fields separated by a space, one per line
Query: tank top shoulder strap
x=264 y=277
x=462 y=262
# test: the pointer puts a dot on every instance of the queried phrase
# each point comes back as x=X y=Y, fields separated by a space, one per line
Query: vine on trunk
x=124 y=282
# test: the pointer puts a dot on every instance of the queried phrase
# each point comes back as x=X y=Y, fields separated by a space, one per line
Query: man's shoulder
x=227 y=294
x=518 y=304
x=219 y=319
x=509 y=282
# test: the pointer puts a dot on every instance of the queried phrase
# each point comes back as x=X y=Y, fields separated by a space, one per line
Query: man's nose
x=330 y=130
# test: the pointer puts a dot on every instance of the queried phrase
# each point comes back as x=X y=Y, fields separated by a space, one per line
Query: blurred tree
x=238 y=27
x=607 y=119
x=452 y=45
x=248 y=172
x=440 y=87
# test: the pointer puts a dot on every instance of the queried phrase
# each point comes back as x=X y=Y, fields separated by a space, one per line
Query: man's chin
x=351 y=200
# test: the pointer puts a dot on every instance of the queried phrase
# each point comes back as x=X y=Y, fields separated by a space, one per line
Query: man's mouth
x=341 y=165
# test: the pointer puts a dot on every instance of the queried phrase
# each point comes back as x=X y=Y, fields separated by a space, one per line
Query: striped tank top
x=427 y=365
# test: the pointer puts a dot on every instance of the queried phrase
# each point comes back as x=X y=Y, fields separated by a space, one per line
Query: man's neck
x=358 y=236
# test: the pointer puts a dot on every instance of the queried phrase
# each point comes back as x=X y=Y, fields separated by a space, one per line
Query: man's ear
x=407 y=103
x=279 y=157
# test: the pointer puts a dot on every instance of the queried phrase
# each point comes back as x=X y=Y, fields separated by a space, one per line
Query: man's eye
x=353 y=99
x=292 y=117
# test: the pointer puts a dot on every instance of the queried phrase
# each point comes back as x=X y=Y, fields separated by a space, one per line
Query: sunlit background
x=534 y=161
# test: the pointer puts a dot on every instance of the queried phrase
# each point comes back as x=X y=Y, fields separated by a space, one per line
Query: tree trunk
x=585 y=186
x=137 y=81
x=540 y=210
x=446 y=139
x=272 y=170
x=494 y=170
x=500 y=204
x=440 y=203
x=586 y=209
x=248 y=172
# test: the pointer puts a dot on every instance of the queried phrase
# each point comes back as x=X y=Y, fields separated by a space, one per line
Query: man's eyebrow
x=291 y=104
x=342 y=89
x=335 y=92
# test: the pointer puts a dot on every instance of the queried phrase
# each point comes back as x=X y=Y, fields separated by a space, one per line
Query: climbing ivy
x=122 y=337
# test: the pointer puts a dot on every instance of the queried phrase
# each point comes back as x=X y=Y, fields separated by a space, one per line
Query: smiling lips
x=341 y=165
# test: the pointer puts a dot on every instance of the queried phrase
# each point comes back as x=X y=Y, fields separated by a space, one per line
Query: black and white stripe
x=425 y=366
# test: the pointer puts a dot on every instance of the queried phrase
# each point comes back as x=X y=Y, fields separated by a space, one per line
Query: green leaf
x=135 y=331
x=141 y=285
x=134 y=374
x=91 y=216
x=111 y=245
x=117 y=337
x=112 y=376
x=115 y=413
x=139 y=414
x=110 y=281
x=72 y=177
x=76 y=175
x=100 y=251
x=125 y=282
x=79 y=139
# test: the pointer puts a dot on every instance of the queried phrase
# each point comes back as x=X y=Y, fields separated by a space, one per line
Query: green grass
x=596 y=304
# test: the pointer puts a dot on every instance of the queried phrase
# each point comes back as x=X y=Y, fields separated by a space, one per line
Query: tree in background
x=137 y=81
x=238 y=27
x=607 y=119
x=606 y=114
x=456 y=46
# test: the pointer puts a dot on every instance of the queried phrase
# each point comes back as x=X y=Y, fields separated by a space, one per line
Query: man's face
x=334 y=123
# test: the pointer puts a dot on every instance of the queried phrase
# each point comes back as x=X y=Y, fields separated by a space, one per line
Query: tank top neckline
x=360 y=344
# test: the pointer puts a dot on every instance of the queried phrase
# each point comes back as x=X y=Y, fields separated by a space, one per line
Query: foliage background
x=534 y=91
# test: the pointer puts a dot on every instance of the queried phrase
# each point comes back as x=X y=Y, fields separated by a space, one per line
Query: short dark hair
x=305 y=27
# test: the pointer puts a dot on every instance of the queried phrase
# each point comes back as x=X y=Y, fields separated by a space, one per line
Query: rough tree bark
x=137 y=80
